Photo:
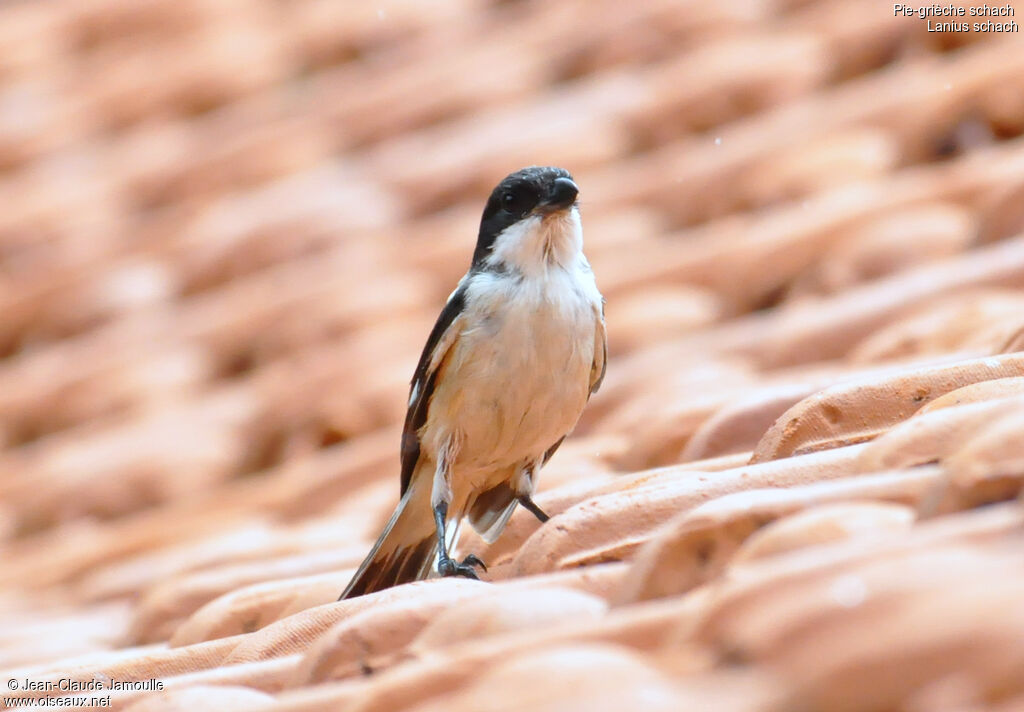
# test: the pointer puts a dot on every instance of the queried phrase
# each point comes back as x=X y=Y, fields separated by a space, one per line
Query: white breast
x=519 y=374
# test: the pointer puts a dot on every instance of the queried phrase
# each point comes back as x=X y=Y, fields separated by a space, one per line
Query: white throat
x=539 y=242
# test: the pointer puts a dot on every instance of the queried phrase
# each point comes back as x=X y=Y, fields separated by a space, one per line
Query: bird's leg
x=524 y=494
x=440 y=497
x=446 y=565
x=532 y=508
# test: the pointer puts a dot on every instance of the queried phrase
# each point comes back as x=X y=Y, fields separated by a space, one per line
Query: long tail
x=405 y=550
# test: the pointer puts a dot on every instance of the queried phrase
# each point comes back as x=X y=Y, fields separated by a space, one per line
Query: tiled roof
x=228 y=225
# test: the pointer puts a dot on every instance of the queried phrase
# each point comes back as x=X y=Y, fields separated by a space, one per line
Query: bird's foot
x=465 y=568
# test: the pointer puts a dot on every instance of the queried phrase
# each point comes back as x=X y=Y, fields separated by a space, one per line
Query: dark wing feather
x=423 y=382
x=600 y=365
x=551 y=450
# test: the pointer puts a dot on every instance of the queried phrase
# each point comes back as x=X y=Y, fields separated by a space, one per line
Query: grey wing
x=441 y=338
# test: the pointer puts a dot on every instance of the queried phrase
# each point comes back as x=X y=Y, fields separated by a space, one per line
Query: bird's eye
x=517 y=202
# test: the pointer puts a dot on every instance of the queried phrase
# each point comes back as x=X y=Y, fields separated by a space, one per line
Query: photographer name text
x=70 y=685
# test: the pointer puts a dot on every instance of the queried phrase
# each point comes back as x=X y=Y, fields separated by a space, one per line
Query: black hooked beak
x=561 y=196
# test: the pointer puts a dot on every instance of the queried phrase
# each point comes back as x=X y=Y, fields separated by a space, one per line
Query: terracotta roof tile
x=228 y=226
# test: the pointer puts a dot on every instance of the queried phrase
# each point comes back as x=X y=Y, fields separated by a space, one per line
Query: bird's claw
x=474 y=560
x=464 y=568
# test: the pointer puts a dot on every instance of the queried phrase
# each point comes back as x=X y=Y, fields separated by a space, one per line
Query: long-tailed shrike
x=505 y=374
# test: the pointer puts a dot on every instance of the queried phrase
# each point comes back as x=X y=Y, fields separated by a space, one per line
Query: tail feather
x=490 y=511
x=405 y=550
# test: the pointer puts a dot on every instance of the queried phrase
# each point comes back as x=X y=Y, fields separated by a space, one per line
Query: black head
x=529 y=191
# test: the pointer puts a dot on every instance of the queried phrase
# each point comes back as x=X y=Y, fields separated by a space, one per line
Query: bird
x=514 y=357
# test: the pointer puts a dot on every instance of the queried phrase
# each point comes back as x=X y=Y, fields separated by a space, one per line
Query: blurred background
x=226 y=228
